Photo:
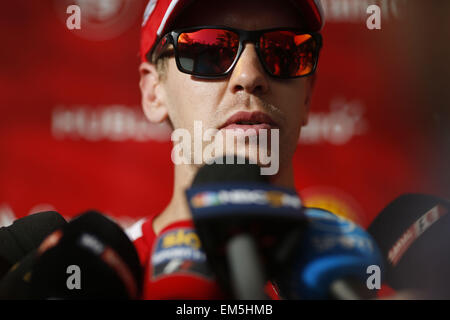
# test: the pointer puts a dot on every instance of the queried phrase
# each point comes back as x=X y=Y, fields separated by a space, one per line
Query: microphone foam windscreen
x=27 y=233
x=240 y=170
x=99 y=250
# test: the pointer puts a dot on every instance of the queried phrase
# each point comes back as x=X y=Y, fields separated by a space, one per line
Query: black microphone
x=89 y=258
x=413 y=233
x=248 y=228
x=25 y=235
x=15 y=285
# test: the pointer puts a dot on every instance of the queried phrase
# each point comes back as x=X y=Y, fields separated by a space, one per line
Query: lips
x=249 y=120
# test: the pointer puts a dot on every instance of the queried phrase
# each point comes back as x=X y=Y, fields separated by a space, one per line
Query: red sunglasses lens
x=207 y=51
x=287 y=54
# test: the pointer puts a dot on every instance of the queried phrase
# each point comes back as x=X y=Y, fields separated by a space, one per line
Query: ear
x=152 y=97
x=310 y=83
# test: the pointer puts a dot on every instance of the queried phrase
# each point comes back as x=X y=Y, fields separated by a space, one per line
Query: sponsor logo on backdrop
x=98 y=19
x=114 y=123
x=344 y=121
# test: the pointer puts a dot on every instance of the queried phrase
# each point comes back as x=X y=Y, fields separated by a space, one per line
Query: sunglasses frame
x=244 y=37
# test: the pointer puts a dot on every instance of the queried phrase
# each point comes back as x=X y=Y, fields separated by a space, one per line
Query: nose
x=248 y=74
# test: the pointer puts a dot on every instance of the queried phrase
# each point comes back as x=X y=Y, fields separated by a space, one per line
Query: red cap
x=160 y=13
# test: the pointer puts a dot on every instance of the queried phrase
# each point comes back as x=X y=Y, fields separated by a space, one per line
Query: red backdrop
x=73 y=135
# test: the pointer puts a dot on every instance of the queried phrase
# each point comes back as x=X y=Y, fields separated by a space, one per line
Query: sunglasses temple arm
x=154 y=54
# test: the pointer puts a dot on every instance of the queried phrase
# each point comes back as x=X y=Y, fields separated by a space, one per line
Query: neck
x=178 y=209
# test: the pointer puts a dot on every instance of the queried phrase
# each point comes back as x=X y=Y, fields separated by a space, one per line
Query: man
x=213 y=76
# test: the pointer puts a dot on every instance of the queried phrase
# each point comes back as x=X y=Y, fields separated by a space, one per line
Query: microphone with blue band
x=332 y=260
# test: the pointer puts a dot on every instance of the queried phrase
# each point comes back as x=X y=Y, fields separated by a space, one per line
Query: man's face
x=185 y=99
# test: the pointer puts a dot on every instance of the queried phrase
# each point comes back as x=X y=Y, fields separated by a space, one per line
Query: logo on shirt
x=179 y=251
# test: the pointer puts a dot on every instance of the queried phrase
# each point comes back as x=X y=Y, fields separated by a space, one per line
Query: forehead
x=242 y=14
